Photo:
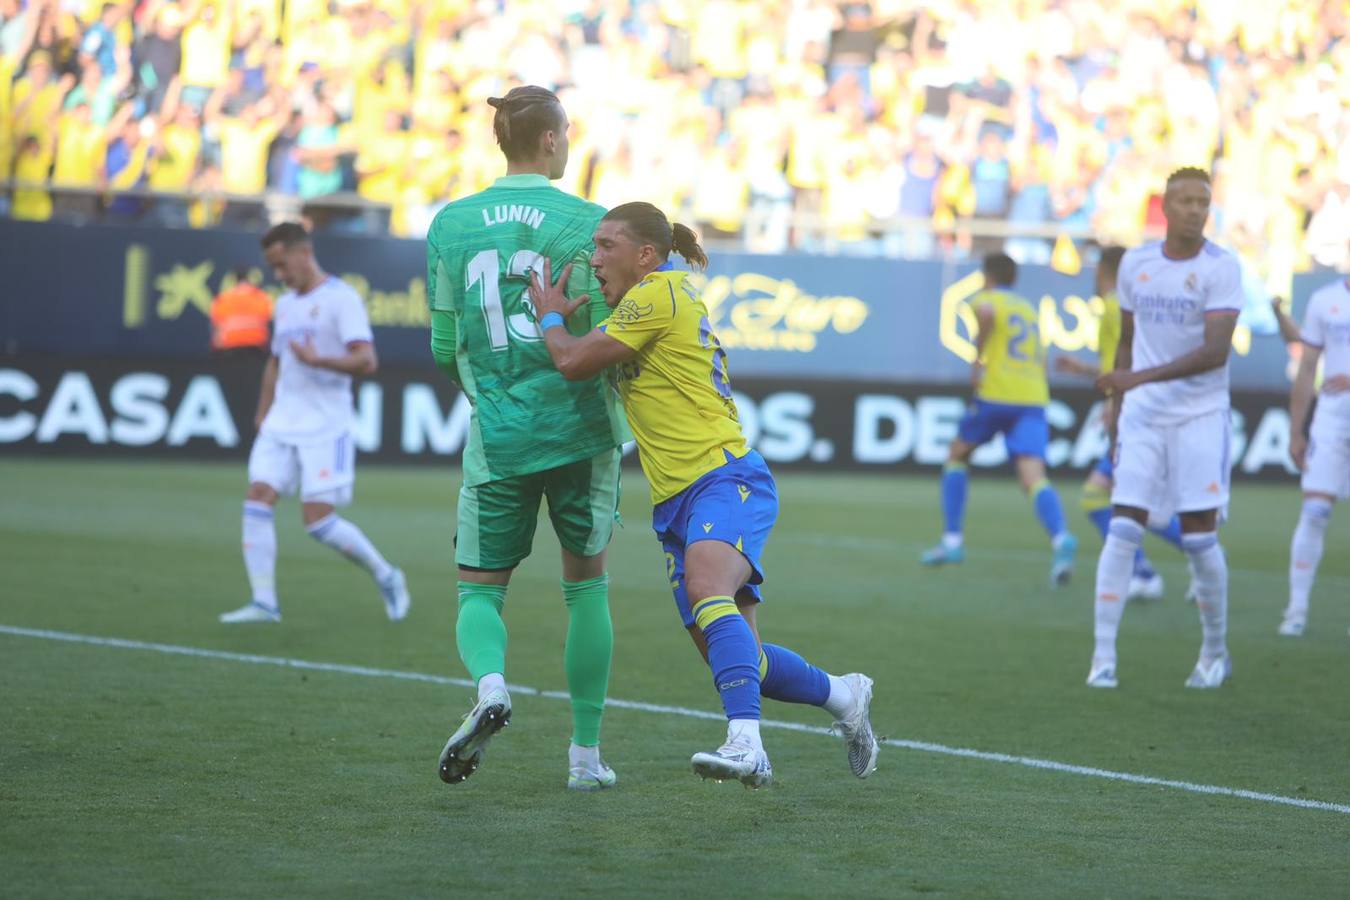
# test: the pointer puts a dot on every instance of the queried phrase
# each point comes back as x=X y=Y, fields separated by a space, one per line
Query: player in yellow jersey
x=1010 y=398
x=714 y=499
x=1145 y=582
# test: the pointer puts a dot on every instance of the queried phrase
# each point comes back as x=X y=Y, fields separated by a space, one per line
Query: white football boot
x=394 y=590
x=1102 y=675
x=738 y=759
x=252 y=612
x=856 y=727
x=1211 y=674
x=1145 y=588
x=589 y=774
x=1292 y=624
x=465 y=749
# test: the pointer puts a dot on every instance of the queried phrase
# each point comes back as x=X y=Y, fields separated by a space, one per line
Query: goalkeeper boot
x=465 y=749
x=587 y=771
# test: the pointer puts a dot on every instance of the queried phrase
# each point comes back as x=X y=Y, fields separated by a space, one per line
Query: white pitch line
x=925 y=746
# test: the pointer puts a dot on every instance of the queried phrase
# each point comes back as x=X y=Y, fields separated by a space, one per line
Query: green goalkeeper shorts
x=497 y=519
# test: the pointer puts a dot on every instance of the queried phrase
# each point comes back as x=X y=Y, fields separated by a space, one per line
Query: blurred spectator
x=283 y=166
x=1032 y=203
x=126 y=166
x=99 y=44
x=176 y=159
x=380 y=157
x=37 y=96
x=244 y=139
x=18 y=26
x=992 y=97
x=318 y=151
x=81 y=146
x=991 y=186
x=919 y=195
x=159 y=54
x=206 y=48
x=101 y=89
x=33 y=165
x=722 y=196
x=778 y=123
x=853 y=45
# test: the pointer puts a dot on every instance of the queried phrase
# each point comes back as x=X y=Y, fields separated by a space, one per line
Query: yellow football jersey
x=676 y=392
x=1014 y=360
x=1108 y=332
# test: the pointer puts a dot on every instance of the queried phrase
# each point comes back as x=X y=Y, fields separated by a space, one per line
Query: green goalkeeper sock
x=587 y=654
x=479 y=630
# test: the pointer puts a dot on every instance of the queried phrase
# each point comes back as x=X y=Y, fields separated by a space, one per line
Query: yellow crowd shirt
x=8 y=137
x=1013 y=359
x=31 y=204
x=80 y=150
x=176 y=163
x=243 y=150
x=676 y=391
x=206 y=50
x=380 y=164
x=44 y=104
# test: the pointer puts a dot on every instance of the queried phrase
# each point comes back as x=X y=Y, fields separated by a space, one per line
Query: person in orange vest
x=241 y=318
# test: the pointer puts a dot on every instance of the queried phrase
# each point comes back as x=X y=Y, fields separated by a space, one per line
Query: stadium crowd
x=862 y=126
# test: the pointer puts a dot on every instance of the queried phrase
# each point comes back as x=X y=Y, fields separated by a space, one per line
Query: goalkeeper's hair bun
x=522 y=116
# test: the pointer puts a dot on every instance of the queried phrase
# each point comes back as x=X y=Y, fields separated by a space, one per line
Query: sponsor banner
x=53 y=406
x=139 y=292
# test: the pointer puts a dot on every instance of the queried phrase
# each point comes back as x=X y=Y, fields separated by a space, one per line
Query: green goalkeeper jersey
x=480 y=250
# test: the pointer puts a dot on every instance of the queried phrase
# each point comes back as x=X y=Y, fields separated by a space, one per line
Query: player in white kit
x=321 y=338
x=1168 y=395
x=1323 y=453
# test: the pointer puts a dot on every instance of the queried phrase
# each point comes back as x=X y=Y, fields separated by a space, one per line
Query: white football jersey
x=313 y=404
x=1170 y=299
x=1326 y=325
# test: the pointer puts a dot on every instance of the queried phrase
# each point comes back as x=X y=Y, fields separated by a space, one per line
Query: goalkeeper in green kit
x=532 y=434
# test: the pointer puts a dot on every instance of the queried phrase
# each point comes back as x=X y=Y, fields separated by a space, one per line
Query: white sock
x=1211 y=588
x=578 y=755
x=745 y=730
x=841 y=697
x=260 y=552
x=1114 y=566
x=347 y=539
x=1305 y=552
x=952 y=540
x=489 y=683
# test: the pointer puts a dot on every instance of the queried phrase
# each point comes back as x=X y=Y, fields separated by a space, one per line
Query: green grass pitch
x=132 y=772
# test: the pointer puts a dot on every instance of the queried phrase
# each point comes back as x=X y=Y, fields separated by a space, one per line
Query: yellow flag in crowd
x=1064 y=258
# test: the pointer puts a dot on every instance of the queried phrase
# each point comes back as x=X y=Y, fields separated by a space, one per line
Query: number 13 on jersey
x=484 y=273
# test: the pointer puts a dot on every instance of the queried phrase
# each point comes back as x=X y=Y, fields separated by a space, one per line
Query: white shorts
x=1169 y=469
x=324 y=472
x=1326 y=468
